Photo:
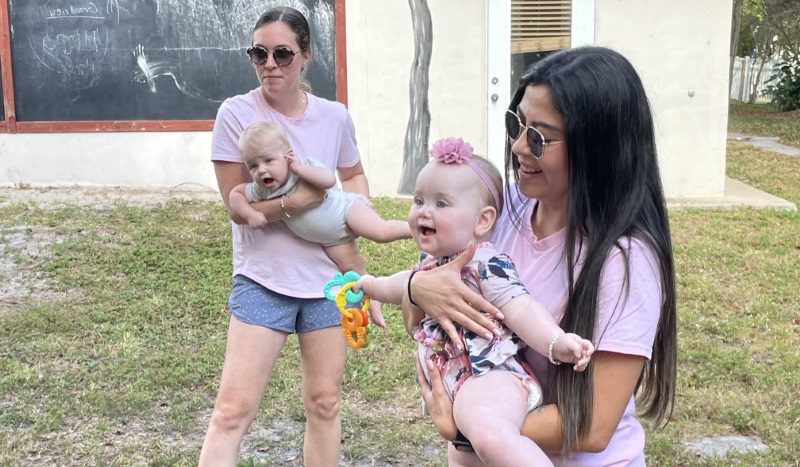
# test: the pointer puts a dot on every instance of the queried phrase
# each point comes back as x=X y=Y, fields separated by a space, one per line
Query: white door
x=503 y=68
x=498 y=55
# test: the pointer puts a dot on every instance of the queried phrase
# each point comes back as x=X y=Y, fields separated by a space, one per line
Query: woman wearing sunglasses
x=586 y=224
x=278 y=277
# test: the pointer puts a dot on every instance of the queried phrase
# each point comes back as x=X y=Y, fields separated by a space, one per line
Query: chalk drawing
x=149 y=71
x=72 y=40
x=202 y=30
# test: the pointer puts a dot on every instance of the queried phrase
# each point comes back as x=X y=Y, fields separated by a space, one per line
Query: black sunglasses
x=259 y=55
x=536 y=141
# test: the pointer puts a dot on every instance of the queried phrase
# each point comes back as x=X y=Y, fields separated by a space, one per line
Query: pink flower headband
x=453 y=151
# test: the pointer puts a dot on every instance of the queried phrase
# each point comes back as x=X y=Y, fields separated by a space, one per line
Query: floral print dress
x=493 y=275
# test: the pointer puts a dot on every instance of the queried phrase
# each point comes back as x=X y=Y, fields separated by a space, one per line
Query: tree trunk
x=751 y=99
x=737 y=21
x=415 y=146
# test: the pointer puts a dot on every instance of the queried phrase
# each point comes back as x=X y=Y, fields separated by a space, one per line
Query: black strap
x=461 y=443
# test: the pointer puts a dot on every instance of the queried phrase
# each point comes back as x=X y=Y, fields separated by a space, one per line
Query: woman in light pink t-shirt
x=587 y=227
x=278 y=277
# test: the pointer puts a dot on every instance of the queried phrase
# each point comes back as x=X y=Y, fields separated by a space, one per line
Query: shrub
x=785 y=85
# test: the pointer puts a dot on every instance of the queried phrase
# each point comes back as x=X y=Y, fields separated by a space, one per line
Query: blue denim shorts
x=252 y=303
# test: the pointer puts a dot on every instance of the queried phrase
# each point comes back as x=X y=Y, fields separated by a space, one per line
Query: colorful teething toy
x=355 y=321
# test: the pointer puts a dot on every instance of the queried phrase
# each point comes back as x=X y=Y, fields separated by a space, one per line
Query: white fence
x=746 y=81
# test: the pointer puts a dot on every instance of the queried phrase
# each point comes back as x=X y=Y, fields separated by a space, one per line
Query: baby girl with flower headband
x=457 y=199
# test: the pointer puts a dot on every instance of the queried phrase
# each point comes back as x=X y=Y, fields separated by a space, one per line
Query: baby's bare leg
x=363 y=221
x=489 y=410
x=347 y=257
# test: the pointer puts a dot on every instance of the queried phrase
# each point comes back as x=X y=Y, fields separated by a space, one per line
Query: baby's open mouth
x=427 y=231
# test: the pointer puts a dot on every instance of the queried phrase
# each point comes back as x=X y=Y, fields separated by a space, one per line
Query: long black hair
x=614 y=192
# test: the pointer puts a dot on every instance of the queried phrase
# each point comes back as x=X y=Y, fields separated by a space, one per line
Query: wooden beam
x=341 y=52
x=6 y=71
x=110 y=126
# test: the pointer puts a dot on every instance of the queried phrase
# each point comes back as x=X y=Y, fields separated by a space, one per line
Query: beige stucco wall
x=680 y=49
x=157 y=159
x=380 y=52
x=379 y=57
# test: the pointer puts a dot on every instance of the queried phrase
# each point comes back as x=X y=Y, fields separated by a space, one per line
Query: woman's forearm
x=543 y=426
x=229 y=176
x=271 y=209
x=357 y=184
x=302 y=198
x=354 y=180
x=614 y=379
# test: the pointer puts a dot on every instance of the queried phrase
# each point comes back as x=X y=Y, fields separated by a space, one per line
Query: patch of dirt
x=24 y=248
x=267 y=442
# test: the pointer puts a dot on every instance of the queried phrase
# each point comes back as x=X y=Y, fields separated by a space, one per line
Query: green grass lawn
x=764 y=120
x=113 y=355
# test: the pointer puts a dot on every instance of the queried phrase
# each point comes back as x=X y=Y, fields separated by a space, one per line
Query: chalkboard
x=146 y=59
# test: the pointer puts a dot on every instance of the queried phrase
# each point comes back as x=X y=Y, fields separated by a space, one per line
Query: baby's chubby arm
x=536 y=327
x=320 y=177
x=391 y=289
x=386 y=289
x=241 y=207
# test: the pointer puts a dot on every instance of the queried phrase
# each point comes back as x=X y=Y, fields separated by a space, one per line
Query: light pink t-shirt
x=625 y=326
x=274 y=256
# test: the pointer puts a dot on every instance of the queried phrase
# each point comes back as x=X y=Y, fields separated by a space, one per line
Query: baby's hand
x=364 y=284
x=571 y=348
x=375 y=314
x=257 y=220
x=292 y=162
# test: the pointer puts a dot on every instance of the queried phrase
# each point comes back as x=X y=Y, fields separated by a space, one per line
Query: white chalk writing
x=83 y=11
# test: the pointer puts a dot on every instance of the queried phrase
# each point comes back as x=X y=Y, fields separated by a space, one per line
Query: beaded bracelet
x=550 y=348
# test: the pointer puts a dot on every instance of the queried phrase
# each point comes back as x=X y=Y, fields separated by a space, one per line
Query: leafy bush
x=785 y=85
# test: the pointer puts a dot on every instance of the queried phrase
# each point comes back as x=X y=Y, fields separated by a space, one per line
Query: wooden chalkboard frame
x=9 y=123
x=5 y=69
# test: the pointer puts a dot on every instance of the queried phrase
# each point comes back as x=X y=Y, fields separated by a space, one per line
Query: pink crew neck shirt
x=624 y=324
x=274 y=256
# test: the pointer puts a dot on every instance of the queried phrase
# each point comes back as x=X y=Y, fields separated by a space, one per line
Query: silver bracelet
x=550 y=348
x=283 y=206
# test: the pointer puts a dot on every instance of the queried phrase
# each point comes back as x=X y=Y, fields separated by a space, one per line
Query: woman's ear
x=486 y=218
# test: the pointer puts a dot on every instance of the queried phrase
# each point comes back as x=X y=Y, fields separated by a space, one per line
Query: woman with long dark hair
x=587 y=227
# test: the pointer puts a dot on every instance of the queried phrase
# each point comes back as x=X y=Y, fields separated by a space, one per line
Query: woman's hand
x=304 y=197
x=444 y=297
x=437 y=403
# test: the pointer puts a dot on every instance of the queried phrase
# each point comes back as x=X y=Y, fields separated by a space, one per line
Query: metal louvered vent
x=540 y=25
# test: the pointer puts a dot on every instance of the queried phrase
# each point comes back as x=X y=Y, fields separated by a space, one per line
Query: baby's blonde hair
x=260 y=134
